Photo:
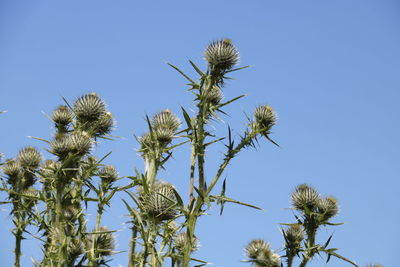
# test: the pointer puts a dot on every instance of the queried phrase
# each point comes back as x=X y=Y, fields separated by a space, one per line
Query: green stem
x=192 y=169
x=132 y=246
x=18 y=239
x=310 y=243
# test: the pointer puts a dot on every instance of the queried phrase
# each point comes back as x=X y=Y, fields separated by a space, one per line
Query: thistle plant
x=158 y=204
x=312 y=211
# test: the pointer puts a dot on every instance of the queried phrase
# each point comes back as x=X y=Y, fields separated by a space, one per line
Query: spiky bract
x=221 y=55
x=62 y=116
x=78 y=143
x=11 y=168
x=265 y=118
x=181 y=239
x=29 y=157
x=89 y=108
x=160 y=202
x=305 y=198
x=104 y=124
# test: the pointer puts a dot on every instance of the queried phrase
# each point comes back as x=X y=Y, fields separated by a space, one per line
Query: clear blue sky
x=329 y=68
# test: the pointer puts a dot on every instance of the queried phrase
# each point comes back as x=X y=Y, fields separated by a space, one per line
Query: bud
x=305 y=197
x=181 y=240
x=260 y=253
x=213 y=95
x=29 y=158
x=104 y=124
x=11 y=168
x=62 y=116
x=160 y=202
x=265 y=118
x=79 y=143
x=221 y=55
x=327 y=207
x=108 y=174
x=166 y=119
x=104 y=242
x=89 y=108
x=294 y=235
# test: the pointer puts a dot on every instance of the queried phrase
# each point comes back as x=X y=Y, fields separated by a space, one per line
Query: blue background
x=329 y=68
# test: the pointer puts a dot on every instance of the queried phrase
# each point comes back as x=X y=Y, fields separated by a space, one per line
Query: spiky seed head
x=104 y=242
x=79 y=143
x=160 y=202
x=12 y=169
x=257 y=248
x=108 y=174
x=294 y=235
x=166 y=119
x=305 y=197
x=62 y=116
x=181 y=239
x=29 y=157
x=265 y=118
x=221 y=54
x=213 y=95
x=327 y=207
x=89 y=108
x=104 y=124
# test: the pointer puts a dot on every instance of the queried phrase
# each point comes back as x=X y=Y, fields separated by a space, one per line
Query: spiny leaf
x=196 y=68
x=181 y=72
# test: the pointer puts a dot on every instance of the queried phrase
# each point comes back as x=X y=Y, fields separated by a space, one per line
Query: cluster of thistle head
x=314 y=210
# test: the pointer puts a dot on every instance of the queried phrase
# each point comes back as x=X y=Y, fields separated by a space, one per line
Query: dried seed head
x=265 y=118
x=108 y=174
x=160 y=202
x=257 y=248
x=29 y=158
x=294 y=235
x=12 y=169
x=181 y=239
x=89 y=108
x=104 y=124
x=213 y=95
x=305 y=198
x=327 y=207
x=166 y=119
x=104 y=242
x=221 y=55
x=62 y=116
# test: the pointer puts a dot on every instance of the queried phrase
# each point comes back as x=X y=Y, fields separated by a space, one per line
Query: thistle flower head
x=221 y=55
x=181 y=239
x=265 y=118
x=327 y=207
x=213 y=95
x=257 y=248
x=104 y=242
x=78 y=143
x=108 y=174
x=75 y=248
x=89 y=108
x=12 y=169
x=145 y=142
x=62 y=116
x=305 y=198
x=160 y=202
x=164 y=135
x=260 y=253
x=29 y=158
x=166 y=119
x=104 y=124
x=294 y=235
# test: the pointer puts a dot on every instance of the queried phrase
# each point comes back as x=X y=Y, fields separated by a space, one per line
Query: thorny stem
x=18 y=238
x=310 y=244
x=192 y=169
x=132 y=245
x=193 y=215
